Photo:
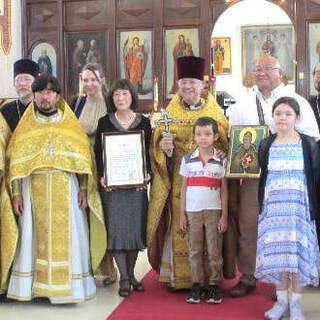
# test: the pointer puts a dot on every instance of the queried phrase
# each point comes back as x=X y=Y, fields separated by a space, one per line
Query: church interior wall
x=53 y=21
x=229 y=25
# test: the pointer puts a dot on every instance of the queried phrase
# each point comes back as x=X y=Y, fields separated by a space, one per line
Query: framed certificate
x=124 y=159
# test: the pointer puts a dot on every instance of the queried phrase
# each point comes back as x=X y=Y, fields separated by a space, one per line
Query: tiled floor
x=107 y=299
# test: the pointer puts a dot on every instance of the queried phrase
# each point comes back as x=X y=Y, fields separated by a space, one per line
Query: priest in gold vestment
x=24 y=73
x=167 y=246
x=51 y=178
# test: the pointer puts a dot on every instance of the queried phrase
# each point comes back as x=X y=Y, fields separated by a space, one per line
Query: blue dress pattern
x=287 y=238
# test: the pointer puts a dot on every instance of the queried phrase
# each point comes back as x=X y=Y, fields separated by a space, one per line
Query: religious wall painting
x=5 y=26
x=45 y=55
x=1 y=7
x=275 y=40
x=83 y=48
x=221 y=54
x=313 y=51
x=178 y=43
x=242 y=161
x=135 y=51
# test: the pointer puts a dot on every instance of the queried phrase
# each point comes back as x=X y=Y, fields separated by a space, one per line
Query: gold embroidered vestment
x=165 y=190
x=48 y=152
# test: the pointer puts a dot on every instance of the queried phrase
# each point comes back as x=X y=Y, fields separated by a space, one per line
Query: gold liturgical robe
x=7 y=222
x=5 y=134
x=164 y=203
x=48 y=152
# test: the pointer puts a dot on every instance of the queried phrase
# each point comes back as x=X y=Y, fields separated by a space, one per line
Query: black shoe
x=242 y=289
x=3 y=297
x=194 y=294
x=110 y=280
x=124 y=288
x=214 y=294
x=136 y=285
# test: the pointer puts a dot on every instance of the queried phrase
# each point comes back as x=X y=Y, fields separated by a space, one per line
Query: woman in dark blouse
x=125 y=209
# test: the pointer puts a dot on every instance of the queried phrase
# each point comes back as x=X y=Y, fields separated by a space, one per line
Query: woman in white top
x=91 y=106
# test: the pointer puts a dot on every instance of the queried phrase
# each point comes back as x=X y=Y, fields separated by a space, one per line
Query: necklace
x=128 y=122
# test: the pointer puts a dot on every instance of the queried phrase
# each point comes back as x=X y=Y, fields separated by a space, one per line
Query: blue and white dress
x=287 y=238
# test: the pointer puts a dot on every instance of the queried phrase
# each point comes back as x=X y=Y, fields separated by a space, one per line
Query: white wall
x=6 y=61
x=244 y=13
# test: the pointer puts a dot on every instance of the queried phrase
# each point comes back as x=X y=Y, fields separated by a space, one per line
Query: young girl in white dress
x=288 y=248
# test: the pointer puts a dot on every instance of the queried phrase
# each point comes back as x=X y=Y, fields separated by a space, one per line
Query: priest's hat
x=191 y=67
x=26 y=66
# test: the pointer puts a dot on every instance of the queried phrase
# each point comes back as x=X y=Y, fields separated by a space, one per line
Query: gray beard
x=24 y=95
x=317 y=86
x=25 y=98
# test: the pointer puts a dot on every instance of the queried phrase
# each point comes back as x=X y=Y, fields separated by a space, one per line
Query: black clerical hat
x=191 y=67
x=26 y=66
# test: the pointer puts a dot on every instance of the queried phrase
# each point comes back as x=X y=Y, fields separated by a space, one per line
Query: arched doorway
x=267 y=29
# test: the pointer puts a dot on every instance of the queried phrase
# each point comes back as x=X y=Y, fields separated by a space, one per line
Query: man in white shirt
x=255 y=109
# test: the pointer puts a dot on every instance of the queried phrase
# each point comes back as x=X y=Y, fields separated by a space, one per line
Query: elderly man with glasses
x=167 y=246
x=24 y=71
x=255 y=109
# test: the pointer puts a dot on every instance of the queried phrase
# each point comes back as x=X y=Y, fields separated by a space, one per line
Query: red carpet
x=159 y=304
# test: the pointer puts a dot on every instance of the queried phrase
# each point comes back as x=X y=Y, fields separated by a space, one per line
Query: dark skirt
x=125 y=213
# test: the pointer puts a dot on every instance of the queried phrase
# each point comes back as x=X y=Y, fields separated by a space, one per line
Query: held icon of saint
x=135 y=60
x=182 y=48
x=245 y=159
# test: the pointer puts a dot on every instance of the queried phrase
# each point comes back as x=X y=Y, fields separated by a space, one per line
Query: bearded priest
x=51 y=178
x=167 y=246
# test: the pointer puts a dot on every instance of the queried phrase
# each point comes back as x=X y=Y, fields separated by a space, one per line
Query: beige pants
x=203 y=233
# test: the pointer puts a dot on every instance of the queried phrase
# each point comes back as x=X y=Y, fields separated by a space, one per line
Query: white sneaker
x=296 y=310
x=280 y=309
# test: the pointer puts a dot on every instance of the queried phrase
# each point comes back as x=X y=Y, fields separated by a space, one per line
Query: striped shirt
x=203 y=181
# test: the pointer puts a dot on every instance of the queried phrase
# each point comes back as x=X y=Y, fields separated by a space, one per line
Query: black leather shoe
x=124 y=288
x=136 y=285
x=109 y=280
x=242 y=289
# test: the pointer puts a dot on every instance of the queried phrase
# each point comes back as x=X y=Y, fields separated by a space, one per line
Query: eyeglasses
x=264 y=69
x=23 y=79
x=317 y=73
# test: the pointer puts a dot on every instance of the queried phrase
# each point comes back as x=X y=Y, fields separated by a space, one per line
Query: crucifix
x=166 y=120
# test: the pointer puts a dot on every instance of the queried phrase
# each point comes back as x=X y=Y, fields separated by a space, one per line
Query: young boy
x=203 y=209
